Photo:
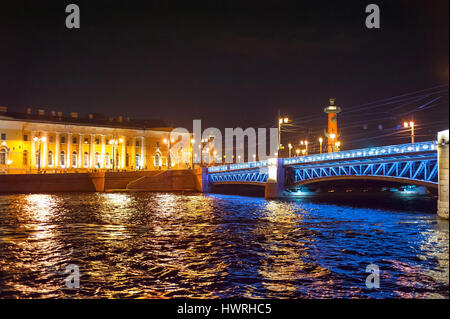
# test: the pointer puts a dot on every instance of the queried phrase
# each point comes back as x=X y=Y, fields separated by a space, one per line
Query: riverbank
x=174 y=180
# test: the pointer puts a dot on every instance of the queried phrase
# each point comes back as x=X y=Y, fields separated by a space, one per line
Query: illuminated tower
x=332 y=134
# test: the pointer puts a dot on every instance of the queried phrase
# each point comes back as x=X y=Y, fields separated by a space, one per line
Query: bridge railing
x=357 y=153
x=232 y=167
x=364 y=152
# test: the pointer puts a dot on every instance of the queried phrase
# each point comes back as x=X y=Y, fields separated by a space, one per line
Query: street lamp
x=290 y=148
x=114 y=142
x=281 y=121
x=192 y=153
x=338 y=146
x=305 y=142
x=297 y=151
x=411 y=124
x=320 y=142
x=39 y=140
x=9 y=162
x=169 y=159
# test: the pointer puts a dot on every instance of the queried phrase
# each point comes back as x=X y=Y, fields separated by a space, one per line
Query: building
x=53 y=143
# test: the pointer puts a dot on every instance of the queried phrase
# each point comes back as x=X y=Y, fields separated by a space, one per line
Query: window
x=97 y=160
x=137 y=143
x=25 y=138
x=36 y=155
x=3 y=136
x=127 y=160
x=97 y=141
x=25 y=158
x=86 y=159
x=86 y=141
x=50 y=158
x=3 y=157
x=63 y=140
x=74 y=159
x=50 y=139
x=107 y=160
x=74 y=140
x=62 y=159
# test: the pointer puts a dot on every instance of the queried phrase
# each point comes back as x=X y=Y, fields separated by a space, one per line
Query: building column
x=443 y=174
x=143 y=161
x=80 y=151
x=133 y=154
x=124 y=150
x=33 y=151
x=102 y=155
x=44 y=150
x=57 y=146
x=92 y=152
x=69 y=151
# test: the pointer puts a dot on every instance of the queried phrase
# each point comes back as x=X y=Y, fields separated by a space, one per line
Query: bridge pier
x=275 y=182
x=201 y=180
x=443 y=178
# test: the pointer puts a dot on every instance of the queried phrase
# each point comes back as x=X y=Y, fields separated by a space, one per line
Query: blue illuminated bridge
x=415 y=164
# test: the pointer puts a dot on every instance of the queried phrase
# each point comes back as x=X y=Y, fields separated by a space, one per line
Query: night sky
x=229 y=63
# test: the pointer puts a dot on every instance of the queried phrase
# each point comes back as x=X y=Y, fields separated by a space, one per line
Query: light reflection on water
x=158 y=245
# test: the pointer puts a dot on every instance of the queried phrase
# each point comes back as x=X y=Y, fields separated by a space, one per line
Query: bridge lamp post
x=281 y=121
x=320 y=142
x=411 y=125
x=239 y=158
x=290 y=148
x=254 y=157
x=333 y=143
x=338 y=146
x=297 y=151
x=305 y=142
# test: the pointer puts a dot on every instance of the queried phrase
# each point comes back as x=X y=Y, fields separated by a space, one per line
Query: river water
x=165 y=245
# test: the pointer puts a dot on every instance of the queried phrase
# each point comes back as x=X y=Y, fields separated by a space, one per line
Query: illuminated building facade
x=30 y=143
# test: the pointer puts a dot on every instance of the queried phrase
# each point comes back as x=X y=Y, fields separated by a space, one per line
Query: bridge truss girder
x=258 y=176
x=421 y=170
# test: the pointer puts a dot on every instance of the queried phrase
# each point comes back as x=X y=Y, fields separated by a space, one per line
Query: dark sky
x=229 y=63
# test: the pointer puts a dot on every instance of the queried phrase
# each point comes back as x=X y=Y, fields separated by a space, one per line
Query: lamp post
x=320 y=142
x=169 y=141
x=9 y=162
x=113 y=142
x=305 y=142
x=337 y=146
x=192 y=153
x=332 y=148
x=411 y=125
x=39 y=140
x=281 y=121
x=290 y=148
x=297 y=151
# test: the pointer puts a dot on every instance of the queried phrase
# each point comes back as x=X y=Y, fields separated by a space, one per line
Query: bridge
x=416 y=164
